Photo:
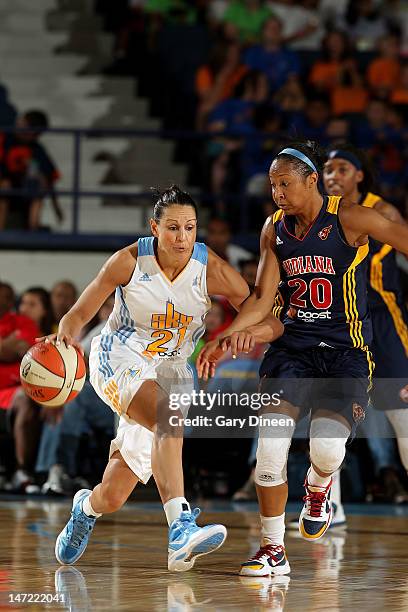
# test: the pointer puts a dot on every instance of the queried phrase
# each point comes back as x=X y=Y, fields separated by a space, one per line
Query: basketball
x=52 y=375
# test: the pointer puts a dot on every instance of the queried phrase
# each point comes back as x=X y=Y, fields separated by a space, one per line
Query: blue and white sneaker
x=73 y=539
x=187 y=541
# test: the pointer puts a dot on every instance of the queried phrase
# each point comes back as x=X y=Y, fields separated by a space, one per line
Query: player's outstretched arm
x=116 y=271
x=252 y=312
x=359 y=222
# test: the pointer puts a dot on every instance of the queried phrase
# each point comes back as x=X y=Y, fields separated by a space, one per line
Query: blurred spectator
x=271 y=57
x=35 y=303
x=63 y=295
x=332 y=12
x=260 y=148
x=338 y=130
x=248 y=269
x=235 y=116
x=302 y=28
x=8 y=113
x=244 y=20
x=384 y=72
x=17 y=334
x=219 y=240
x=399 y=95
x=25 y=164
x=290 y=98
x=374 y=127
x=216 y=80
x=312 y=123
x=365 y=23
x=335 y=58
x=350 y=95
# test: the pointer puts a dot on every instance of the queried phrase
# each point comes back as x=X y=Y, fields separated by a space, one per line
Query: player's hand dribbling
x=61 y=337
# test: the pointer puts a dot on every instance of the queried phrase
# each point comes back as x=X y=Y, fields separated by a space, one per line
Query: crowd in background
x=55 y=451
x=329 y=70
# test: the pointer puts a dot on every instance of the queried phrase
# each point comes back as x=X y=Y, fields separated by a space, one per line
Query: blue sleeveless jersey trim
x=145 y=246
x=200 y=253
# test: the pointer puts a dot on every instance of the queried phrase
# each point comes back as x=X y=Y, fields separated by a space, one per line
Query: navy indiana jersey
x=322 y=296
x=384 y=282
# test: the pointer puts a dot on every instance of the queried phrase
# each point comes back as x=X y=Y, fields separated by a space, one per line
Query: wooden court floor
x=124 y=567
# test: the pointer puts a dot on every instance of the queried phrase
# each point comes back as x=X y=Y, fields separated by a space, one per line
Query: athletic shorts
x=334 y=380
x=116 y=375
x=390 y=348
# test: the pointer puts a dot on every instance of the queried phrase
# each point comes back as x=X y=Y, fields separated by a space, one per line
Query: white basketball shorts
x=116 y=374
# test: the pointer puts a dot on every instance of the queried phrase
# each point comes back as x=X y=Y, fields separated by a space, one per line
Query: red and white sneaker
x=317 y=512
x=270 y=560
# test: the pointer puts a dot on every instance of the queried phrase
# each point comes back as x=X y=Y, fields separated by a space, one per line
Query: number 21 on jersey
x=166 y=326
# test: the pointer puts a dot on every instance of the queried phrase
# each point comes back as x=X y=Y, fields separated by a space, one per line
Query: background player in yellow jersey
x=314 y=248
x=347 y=172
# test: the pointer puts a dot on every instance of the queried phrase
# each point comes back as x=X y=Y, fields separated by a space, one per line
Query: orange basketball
x=52 y=375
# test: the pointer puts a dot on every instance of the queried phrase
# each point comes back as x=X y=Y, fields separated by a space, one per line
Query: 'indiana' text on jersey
x=157 y=317
x=322 y=296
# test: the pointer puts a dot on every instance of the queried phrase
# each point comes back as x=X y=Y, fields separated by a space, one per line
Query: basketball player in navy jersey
x=313 y=260
x=162 y=285
x=347 y=173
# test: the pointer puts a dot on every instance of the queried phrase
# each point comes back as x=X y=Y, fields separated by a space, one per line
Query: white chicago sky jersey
x=156 y=317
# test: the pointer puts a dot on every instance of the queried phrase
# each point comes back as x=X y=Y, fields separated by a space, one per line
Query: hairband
x=348 y=156
x=301 y=156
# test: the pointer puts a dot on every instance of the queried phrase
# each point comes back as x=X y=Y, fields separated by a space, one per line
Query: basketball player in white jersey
x=162 y=288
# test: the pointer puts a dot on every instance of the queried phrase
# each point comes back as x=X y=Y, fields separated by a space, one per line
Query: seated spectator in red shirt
x=25 y=164
x=35 y=307
x=17 y=334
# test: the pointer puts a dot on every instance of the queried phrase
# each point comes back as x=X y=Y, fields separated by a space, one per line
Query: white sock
x=273 y=529
x=315 y=480
x=336 y=488
x=174 y=507
x=87 y=508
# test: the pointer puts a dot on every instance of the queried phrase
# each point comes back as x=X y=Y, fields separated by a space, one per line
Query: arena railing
x=75 y=238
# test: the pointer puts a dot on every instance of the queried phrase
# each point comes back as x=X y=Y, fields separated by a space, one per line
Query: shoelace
x=81 y=527
x=316 y=500
x=271 y=550
x=186 y=522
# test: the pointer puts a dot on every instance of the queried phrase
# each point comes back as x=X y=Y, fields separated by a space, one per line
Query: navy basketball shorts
x=331 y=381
x=390 y=350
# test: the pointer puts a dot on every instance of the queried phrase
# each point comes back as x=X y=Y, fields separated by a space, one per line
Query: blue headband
x=301 y=156
x=348 y=156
